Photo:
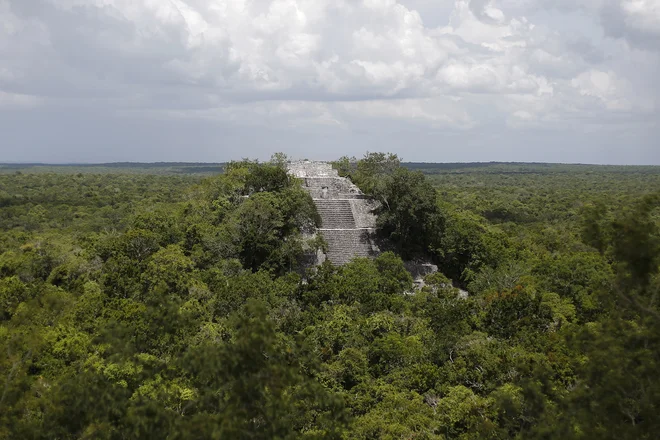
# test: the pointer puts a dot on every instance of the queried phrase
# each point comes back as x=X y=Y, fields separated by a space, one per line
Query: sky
x=88 y=81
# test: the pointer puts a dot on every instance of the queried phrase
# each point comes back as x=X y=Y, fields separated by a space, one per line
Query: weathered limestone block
x=308 y=168
x=363 y=212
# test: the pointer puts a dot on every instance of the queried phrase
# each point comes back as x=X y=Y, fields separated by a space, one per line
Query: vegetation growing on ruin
x=161 y=304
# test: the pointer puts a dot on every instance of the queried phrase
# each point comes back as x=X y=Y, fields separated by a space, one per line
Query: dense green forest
x=176 y=302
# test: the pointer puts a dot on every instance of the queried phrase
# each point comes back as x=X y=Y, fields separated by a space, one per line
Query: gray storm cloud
x=211 y=80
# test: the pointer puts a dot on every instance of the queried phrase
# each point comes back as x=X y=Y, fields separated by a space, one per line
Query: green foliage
x=408 y=215
x=469 y=245
x=259 y=213
x=624 y=356
x=167 y=306
x=345 y=165
x=519 y=310
x=12 y=293
x=635 y=242
x=582 y=277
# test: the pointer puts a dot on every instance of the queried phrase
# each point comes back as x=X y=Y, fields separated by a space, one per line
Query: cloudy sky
x=431 y=80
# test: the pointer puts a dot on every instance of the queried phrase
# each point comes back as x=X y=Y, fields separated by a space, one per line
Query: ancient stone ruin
x=347 y=222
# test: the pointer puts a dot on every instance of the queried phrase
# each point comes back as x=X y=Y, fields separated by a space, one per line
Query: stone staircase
x=335 y=213
x=338 y=201
x=346 y=244
x=347 y=219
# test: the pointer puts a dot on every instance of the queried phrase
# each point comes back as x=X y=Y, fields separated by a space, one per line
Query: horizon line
x=165 y=163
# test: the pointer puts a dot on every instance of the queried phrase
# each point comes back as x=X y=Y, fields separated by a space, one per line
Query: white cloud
x=305 y=64
x=604 y=86
x=636 y=20
x=336 y=50
x=16 y=101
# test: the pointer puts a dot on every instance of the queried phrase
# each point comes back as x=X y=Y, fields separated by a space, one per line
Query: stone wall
x=363 y=212
x=330 y=187
x=309 y=168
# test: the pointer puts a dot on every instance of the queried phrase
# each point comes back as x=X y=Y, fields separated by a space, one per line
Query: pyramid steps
x=338 y=202
x=335 y=213
x=346 y=244
x=319 y=182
